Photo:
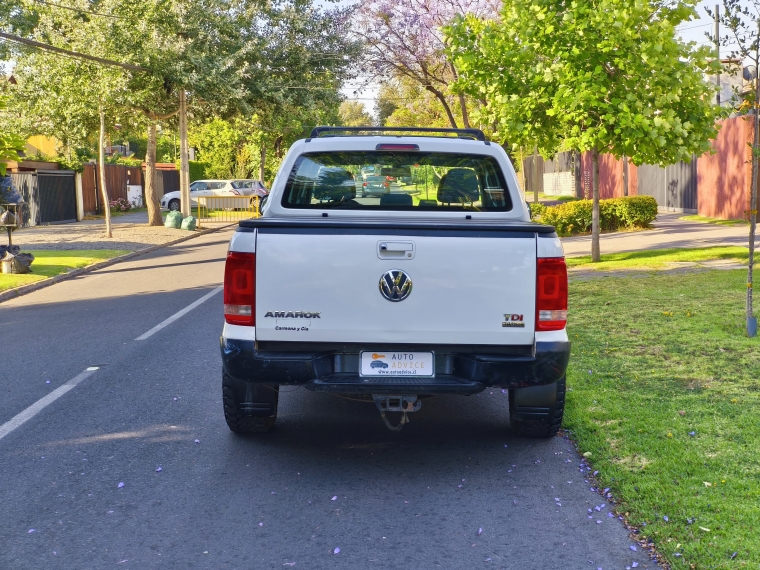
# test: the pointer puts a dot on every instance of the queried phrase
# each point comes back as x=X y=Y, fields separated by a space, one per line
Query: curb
x=24 y=289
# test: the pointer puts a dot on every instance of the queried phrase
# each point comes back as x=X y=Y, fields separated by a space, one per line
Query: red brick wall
x=723 y=179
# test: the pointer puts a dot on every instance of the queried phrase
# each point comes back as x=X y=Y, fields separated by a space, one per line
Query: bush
x=575 y=217
x=536 y=209
x=120 y=205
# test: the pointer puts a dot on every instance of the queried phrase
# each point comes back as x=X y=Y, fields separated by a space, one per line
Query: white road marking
x=179 y=314
x=40 y=404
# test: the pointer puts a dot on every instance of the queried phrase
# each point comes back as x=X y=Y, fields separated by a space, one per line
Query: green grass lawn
x=654 y=259
x=715 y=221
x=51 y=263
x=665 y=394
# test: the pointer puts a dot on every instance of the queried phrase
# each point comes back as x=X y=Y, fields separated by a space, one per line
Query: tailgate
x=326 y=287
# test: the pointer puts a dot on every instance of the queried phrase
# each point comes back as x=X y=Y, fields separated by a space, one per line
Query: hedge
x=614 y=214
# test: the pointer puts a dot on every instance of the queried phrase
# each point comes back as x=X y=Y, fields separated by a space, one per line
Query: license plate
x=386 y=363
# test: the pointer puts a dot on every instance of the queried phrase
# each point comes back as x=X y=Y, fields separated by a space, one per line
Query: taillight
x=551 y=294
x=364 y=184
x=240 y=288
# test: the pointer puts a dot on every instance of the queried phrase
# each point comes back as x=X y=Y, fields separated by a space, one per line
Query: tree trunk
x=445 y=104
x=595 y=254
x=184 y=165
x=535 y=174
x=751 y=320
x=102 y=171
x=151 y=199
x=465 y=116
x=263 y=163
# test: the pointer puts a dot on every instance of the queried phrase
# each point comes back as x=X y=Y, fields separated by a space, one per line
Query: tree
x=743 y=32
x=352 y=114
x=10 y=145
x=410 y=106
x=404 y=39
x=606 y=76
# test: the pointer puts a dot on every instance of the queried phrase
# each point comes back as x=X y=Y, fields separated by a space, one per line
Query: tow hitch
x=403 y=404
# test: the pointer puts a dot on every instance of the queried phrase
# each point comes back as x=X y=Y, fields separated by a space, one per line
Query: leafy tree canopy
x=608 y=75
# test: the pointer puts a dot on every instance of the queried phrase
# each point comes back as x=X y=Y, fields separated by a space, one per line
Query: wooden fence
x=118 y=177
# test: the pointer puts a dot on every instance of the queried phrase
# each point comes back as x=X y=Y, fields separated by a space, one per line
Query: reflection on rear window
x=369 y=180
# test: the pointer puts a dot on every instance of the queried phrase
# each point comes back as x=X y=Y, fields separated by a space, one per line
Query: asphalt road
x=134 y=466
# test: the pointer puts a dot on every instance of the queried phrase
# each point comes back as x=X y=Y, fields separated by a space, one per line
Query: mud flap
x=534 y=402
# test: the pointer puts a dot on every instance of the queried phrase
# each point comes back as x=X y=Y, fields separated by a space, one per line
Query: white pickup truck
x=443 y=285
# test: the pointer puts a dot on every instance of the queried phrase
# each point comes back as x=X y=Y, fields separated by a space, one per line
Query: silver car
x=206 y=188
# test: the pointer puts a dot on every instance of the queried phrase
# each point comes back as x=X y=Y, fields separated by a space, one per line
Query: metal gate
x=57 y=196
x=26 y=184
x=674 y=187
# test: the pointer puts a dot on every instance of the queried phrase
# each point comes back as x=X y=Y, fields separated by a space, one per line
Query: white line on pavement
x=40 y=404
x=179 y=314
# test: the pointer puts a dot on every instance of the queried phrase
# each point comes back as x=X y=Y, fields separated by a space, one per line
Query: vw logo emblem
x=395 y=285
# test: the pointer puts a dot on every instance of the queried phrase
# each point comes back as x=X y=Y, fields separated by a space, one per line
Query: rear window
x=369 y=180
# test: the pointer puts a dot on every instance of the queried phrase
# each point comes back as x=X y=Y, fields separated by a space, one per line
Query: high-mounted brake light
x=397 y=147
x=551 y=294
x=240 y=288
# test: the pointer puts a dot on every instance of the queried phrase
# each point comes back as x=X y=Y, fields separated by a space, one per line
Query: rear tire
x=174 y=205
x=243 y=423
x=541 y=428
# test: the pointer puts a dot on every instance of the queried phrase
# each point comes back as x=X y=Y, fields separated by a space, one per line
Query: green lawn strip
x=716 y=221
x=657 y=258
x=654 y=360
x=49 y=263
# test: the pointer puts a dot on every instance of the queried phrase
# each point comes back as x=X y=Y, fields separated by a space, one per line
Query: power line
x=70 y=53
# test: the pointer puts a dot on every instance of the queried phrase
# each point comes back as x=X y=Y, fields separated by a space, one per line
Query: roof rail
x=476 y=134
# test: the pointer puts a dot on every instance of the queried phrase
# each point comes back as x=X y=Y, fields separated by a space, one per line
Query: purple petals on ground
x=480 y=531
x=289 y=564
x=635 y=565
x=460 y=486
x=607 y=490
x=692 y=433
x=589 y=511
x=31 y=530
x=261 y=524
x=335 y=498
x=159 y=469
x=336 y=551
x=47 y=381
x=665 y=518
x=120 y=485
x=598 y=522
x=197 y=441
x=596 y=473
x=610 y=515
x=597 y=508
x=633 y=547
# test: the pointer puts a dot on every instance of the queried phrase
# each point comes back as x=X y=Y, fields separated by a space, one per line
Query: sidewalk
x=668 y=232
x=130 y=232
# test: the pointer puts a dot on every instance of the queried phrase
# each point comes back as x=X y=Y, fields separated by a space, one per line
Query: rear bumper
x=459 y=370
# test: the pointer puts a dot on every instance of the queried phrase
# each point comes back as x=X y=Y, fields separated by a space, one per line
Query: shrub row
x=614 y=214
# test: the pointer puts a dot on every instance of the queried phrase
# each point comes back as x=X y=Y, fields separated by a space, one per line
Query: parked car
x=250 y=187
x=205 y=188
x=318 y=289
x=375 y=186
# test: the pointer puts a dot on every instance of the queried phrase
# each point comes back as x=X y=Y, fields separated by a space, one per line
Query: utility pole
x=717 y=52
x=184 y=164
